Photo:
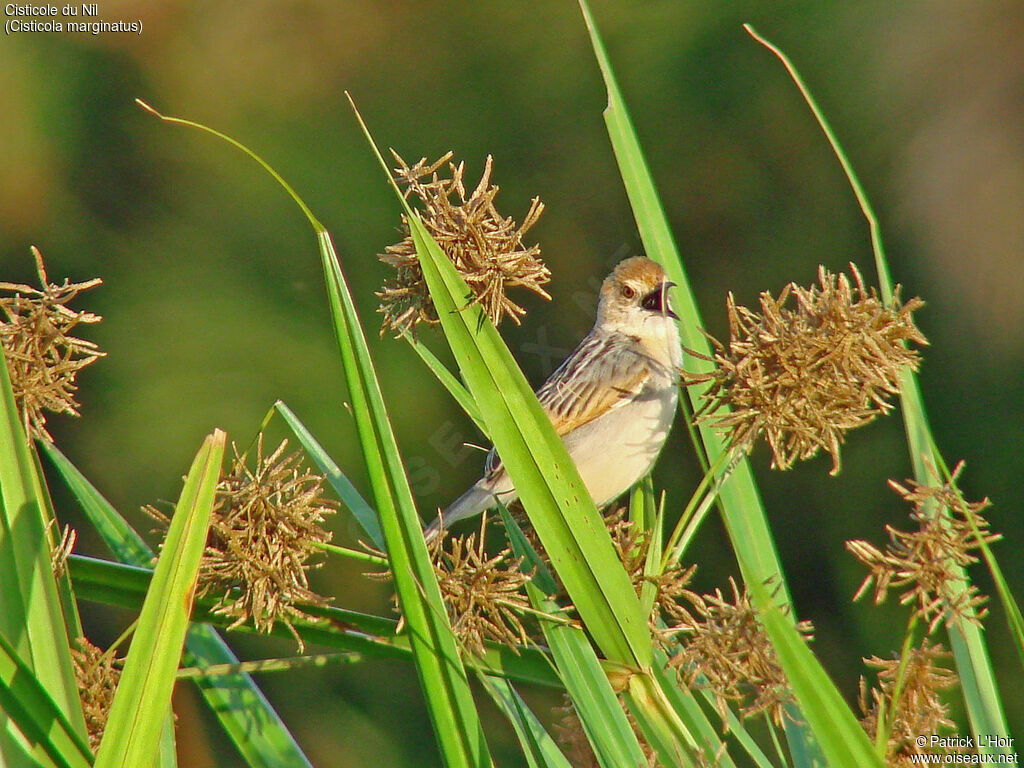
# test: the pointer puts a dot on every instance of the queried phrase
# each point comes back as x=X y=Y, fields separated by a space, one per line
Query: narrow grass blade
x=842 y=739
x=546 y=479
x=740 y=733
x=65 y=592
x=642 y=503
x=364 y=514
x=539 y=748
x=442 y=675
x=659 y=722
x=449 y=381
x=984 y=706
x=50 y=737
x=740 y=501
x=122 y=540
x=143 y=696
x=125 y=586
x=689 y=712
x=1014 y=618
x=243 y=711
x=642 y=509
x=586 y=682
x=31 y=617
x=584 y=679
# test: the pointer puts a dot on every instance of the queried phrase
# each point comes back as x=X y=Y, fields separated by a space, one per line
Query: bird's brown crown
x=638 y=271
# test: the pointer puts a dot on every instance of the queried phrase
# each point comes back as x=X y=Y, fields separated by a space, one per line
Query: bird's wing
x=602 y=373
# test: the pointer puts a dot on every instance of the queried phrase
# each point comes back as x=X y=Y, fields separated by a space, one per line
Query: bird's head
x=634 y=298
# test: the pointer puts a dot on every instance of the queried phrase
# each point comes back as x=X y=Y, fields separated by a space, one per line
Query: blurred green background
x=213 y=301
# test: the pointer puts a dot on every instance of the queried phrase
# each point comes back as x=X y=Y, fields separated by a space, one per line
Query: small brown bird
x=612 y=401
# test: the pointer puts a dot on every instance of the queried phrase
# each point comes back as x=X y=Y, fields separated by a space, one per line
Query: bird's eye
x=628 y=292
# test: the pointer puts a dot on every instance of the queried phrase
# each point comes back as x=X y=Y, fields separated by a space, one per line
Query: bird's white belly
x=617 y=449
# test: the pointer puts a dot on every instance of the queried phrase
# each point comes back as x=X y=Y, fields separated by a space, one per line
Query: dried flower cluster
x=43 y=358
x=803 y=376
x=671 y=586
x=727 y=650
x=61 y=550
x=911 y=707
x=265 y=526
x=484 y=595
x=485 y=247
x=97 y=679
x=927 y=563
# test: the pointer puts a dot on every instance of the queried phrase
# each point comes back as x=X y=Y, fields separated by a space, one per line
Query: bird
x=613 y=399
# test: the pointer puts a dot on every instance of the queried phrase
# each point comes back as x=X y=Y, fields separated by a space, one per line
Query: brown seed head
x=61 y=550
x=804 y=375
x=97 y=679
x=43 y=358
x=726 y=649
x=917 y=709
x=485 y=247
x=265 y=525
x=927 y=563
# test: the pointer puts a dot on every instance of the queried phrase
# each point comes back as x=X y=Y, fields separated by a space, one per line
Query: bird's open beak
x=657 y=300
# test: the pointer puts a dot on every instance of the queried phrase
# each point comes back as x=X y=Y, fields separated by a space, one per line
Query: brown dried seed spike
x=265 y=526
x=43 y=358
x=804 y=372
x=918 y=707
x=485 y=247
x=927 y=563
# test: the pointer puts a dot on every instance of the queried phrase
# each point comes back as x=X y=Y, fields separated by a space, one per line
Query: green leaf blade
x=143 y=695
x=438 y=663
x=31 y=616
x=545 y=477
x=51 y=738
x=978 y=681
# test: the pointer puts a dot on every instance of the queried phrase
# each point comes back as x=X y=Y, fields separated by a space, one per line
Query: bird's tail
x=472 y=502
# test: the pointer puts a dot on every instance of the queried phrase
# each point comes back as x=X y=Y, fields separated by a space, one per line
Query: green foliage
x=603 y=654
x=143 y=696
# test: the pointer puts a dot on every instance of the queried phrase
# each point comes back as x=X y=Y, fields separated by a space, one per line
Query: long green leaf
x=442 y=675
x=601 y=715
x=540 y=749
x=240 y=706
x=125 y=586
x=31 y=617
x=740 y=502
x=65 y=592
x=450 y=382
x=841 y=737
x=143 y=696
x=978 y=682
x=50 y=738
x=585 y=680
x=708 y=737
x=566 y=520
